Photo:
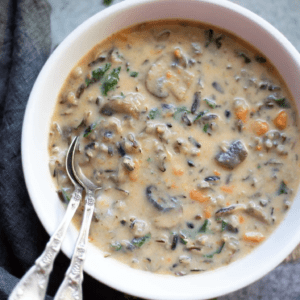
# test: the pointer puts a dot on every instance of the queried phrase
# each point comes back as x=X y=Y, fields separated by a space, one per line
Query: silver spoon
x=33 y=284
x=71 y=287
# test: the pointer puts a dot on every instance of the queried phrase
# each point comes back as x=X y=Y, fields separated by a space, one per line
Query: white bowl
x=35 y=145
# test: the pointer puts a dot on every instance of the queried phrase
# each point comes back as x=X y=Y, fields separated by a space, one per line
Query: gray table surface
x=283 y=283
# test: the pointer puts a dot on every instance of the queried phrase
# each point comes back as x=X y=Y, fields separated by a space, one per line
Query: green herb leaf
x=283 y=189
x=205 y=127
x=107 y=2
x=88 y=82
x=203 y=228
x=89 y=129
x=134 y=74
x=117 y=246
x=65 y=195
x=99 y=73
x=224 y=225
x=200 y=115
x=139 y=242
x=154 y=113
x=122 y=95
x=179 y=111
x=258 y=166
x=128 y=69
x=218 y=251
x=111 y=80
x=182 y=241
x=282 y=102
x=210 y=103
x=149 y=159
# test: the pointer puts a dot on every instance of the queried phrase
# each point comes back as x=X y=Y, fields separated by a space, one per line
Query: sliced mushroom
x=164 y=202
x=230 y=210
x=235 y=155
x=160 y=86
x=257 y=212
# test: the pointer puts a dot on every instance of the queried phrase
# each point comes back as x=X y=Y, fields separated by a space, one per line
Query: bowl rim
x=156 y=291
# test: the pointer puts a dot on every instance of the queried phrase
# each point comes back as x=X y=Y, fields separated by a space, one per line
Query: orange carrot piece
x=281 y=120
x=241 y=219
x=169 y=74
x=242 y=114
x=198 y=196
x=178 y=172
x=207 y=212
x=217 y=173
x=260 y=127
x=227 y=189
x=254 y=237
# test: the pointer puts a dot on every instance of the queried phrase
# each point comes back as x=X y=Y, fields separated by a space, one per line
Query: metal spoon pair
x=33 y=285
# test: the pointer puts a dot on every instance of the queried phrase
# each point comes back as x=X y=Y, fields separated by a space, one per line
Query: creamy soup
x=194 y=138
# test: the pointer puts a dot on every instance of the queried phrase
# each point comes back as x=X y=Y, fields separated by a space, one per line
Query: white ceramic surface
x=35 y=139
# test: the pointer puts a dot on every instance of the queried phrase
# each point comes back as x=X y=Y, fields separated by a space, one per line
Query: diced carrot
x=260 y=127
x=177 y=53
x=198 y=196
x=281 y=120
x=227 y=203
x=254 y=237
x=242 y=114
x=169 y=259
x=258 y=147
x=169 y=74
x=217 y=173
x=227 y=189
x=174 y=186
x=241 y=219
x=178 y=172
x=207 y=212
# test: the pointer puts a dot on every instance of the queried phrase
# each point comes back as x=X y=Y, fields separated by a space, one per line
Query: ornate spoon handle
x=33 y=284
x=71 y=287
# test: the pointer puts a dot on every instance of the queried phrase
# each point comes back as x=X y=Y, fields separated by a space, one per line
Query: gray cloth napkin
x=24 y=47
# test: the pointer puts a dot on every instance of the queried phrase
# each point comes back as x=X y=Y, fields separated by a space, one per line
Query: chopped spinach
x=88 y=82
x=111 y=80
x=183 y=241
x=203 y=228
x=139 y=242
x=97 y=74
x=179 y=111
x=116 y=246
x=154 y=113
x=64 y=195
x=205 y=128
x=89 y=129
x=218 y=251
x=224 y=225
x=282 y=102
x=200 y=115
x=210 y=103
x=134 y=74
x=283 y=189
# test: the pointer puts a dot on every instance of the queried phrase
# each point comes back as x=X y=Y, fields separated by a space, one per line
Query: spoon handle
x=33 y=284
x=71 y=287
